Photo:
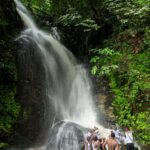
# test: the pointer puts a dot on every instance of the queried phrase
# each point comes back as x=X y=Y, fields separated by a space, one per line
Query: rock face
x=145 y=147
x=66 y=136
x=30 y=94
x=104 y=99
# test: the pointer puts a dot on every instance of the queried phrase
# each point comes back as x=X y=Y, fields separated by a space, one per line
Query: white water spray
x=68 y=87
x=67 y=76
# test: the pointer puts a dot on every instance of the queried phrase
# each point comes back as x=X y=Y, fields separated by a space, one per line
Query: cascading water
x=67 y=88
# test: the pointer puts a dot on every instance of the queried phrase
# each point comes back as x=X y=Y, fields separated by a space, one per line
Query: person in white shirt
x=129 y=139
x=88 y=143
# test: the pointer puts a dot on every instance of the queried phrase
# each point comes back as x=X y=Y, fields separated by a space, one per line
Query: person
x=91 y=139
x=95 y=143
x=111 y=142
x=129 y=139
x=97 y=133
x=88 y=143
x=119 y=137
x=90 y=133
x=102 y=143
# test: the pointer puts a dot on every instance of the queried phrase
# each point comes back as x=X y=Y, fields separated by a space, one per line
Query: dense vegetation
x=124 y=59
x=113 y=34
x=9 y=108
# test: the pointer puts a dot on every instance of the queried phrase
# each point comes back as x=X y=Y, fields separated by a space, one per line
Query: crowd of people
x=115 y=141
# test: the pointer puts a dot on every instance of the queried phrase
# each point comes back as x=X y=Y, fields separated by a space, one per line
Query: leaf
x=94 y=70
x=94 y=59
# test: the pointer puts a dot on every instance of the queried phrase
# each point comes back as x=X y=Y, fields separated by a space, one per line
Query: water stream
x=66 y=85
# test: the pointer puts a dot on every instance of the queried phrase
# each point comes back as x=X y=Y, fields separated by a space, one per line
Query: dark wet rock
x=66 y=135
x=31 y=95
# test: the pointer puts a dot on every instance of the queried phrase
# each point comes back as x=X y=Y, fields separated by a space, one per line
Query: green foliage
x=146 y=39
x=94 y=70
x=71 y=18
x=129 y=79
x=59 y=7
x=143 y=2
x=74 y=19
x=88 y=25
x=3 y=21
x=7 y=69
x=3 y=145
x=76 y=29
x=129 y=13
x=38 y=6
x=99 y=61
x=105 y=51
x=9 y=108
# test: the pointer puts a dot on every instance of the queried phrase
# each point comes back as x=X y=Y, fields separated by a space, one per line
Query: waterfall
x=66 y=86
